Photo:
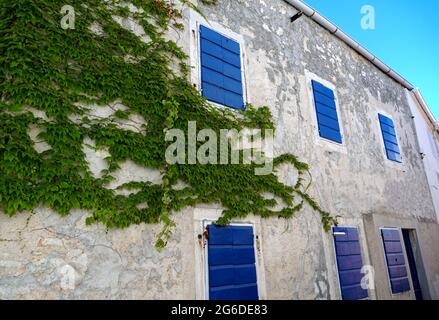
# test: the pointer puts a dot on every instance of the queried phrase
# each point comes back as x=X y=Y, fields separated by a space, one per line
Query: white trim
x=195 y=21
x=433 y=123
x=206 y=216
x=391 y=163
x=320 y=141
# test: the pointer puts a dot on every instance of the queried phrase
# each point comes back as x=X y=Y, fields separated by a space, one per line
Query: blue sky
x=406 y=37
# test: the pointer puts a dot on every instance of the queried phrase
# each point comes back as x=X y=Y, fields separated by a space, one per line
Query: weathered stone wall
x=46 y=256
x=39 y=252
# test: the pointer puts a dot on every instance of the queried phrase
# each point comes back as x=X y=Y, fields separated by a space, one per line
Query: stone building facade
x=46 y=256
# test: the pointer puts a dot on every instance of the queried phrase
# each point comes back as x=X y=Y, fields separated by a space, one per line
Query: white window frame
x=195 y=21
x=321 y=141
x=202 y=218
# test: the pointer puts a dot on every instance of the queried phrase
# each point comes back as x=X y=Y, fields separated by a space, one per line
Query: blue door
x=349 y=263
x=395 y=260
x=231 y=263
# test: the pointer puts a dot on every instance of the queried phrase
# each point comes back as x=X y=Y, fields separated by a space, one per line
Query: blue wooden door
x=395 y=260
x=231 y=263
x=349 y=263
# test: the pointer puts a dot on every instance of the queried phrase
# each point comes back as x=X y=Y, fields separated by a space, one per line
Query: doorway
x=413 y=257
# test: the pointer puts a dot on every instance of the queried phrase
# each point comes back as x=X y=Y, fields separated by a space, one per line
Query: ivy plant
x=58 y=71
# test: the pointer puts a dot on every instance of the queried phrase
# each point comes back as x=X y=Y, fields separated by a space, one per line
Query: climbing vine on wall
x=57 y=72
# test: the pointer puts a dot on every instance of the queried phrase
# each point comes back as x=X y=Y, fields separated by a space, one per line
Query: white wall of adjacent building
x=428 y=136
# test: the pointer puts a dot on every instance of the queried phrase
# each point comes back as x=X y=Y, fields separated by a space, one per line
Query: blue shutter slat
x=390 y=234
x=221 y=255
x=330 y=134
x=345 y=234
x=244 y=254
x=210 y=35
x=395 y=259
x=219 y=52
x=220 y=235
x=354 y=293
x=231 y=260
x=245 y=292
x=391 y=146
x=332 y=113
x=224 y=255
x=348 y=248
x=387 y=129
x=400 y=285
x=396 y=267
x=233 y=100
x=393 y=246
x=232 y=71
x=386 y=120
x=390 y=138
x=231 y=58
x=394 y=156
x=350 y=277
x=221 y=276
x=220 y=66
x=245 y=274
x=212 y=77
x=327 y=122
x=242 y=235
x=249 y=292
x=221 y=293
x=340 y=234
x=352 y=234
x=232 y=85
x=211 y=49
x=212 y=62
x=221 y=81
x=398 y=271
x=231 y=45
x=236 y=275
x=322 y=89
x=213 y=93
x=349 y=263
x=320 y=98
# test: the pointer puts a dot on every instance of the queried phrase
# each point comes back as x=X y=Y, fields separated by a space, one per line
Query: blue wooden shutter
x=221 y=80
x=349 y=263
x=231 y=259
x=389 y=137
x=326 y=110
x=396 y=266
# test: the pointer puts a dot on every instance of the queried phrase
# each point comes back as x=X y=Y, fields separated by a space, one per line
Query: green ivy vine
x=59 y=71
